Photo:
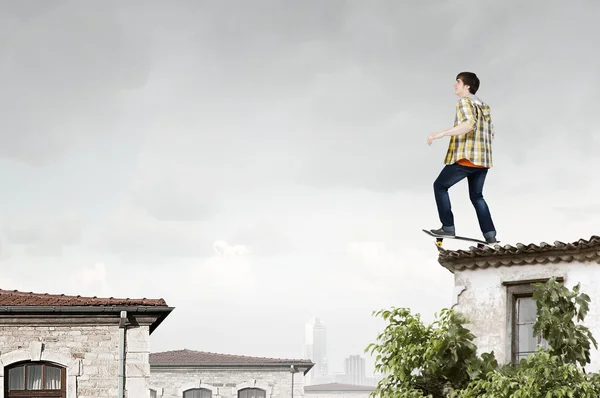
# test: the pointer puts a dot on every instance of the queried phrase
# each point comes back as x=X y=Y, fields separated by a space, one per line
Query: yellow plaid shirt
x=476 y=145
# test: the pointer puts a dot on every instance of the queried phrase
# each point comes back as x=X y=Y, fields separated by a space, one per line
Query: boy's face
x=460 y=89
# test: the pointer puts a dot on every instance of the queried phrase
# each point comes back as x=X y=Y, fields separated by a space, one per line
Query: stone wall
x=89 y=352
x=224 y=383
x=338 y=394
x=137 y=366
x=483 y=299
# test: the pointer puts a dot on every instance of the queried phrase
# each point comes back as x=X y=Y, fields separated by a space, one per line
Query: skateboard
x=439 y=239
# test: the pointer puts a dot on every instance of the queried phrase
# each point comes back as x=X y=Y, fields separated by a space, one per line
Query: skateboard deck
x=439 y=239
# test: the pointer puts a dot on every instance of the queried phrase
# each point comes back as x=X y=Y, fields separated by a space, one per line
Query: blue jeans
x=450 y=175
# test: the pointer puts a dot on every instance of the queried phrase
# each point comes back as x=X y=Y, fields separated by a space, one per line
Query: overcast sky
x=259 y=163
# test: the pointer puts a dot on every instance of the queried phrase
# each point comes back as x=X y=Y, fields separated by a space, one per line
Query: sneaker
x=442 y=232
x=491 y=239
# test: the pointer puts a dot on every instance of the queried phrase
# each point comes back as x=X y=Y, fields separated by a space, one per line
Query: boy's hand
x=434 y=136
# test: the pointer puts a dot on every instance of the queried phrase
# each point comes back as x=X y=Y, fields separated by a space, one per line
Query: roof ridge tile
x=521 y=253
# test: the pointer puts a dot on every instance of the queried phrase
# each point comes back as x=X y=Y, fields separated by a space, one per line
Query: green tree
x=440 y=360
x=558 y=309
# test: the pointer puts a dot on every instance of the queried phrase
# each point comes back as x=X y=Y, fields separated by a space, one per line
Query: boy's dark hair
x=469 y=79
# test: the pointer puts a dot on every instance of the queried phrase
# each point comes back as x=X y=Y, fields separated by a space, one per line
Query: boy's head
x=467 y=82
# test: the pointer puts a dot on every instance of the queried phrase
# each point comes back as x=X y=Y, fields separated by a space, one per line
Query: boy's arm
x=461 y=129
x=466 y=114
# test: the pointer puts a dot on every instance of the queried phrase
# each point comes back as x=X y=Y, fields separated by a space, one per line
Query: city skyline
x=315 y=348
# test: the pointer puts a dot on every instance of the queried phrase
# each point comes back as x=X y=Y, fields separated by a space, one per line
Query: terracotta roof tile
x=190 y=357
x=17 y=298
x=520 y=254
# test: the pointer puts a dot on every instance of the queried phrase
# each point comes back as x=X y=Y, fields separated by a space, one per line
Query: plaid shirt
x=476 y=145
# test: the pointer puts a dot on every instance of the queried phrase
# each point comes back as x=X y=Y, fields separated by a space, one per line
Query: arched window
x=197 y=393
x=36 y=379
x=252 y=393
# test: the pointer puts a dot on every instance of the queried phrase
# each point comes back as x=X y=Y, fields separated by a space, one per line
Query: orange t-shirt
x=468 y=163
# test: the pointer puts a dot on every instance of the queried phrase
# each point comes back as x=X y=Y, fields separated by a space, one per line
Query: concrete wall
x=483 y=299
x=88 y=352
x=224 y=383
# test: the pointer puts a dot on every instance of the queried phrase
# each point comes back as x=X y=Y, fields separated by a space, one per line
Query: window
x=525 y=318
x=152 y=393
x=197 y=393
x=522 y=311
x=35 y=379
x=252 y=393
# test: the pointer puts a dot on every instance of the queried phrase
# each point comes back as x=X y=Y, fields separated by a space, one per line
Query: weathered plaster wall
x=484 y=300
x=224 y=383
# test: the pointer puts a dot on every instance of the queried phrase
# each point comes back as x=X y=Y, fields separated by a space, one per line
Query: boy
x=469 y=155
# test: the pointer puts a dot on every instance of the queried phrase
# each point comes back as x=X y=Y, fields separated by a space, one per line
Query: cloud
x=265 y=238
x=228 y=272
x=312 y=111
x=175 y=197
x=91 y=279
x=579 y=212
x=61 y=90
x=134 y=235
x=45 y=235
x=295 y=133
x=5 y=250
x=385 y=272
x=8 y=283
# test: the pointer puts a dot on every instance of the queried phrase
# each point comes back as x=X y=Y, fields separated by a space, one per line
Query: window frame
x=60 y=393
x=515 y=290
x=201 y=389
x=251 y=388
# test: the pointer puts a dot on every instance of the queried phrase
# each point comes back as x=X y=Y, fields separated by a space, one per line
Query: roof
x=581 y=250
x=201 y=358
x=14 y=302
x=338 y=387
x=17 y=298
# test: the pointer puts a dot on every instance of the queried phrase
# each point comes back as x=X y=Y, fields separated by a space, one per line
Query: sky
x=260 y=163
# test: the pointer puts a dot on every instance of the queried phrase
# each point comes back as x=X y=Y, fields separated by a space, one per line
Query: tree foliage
x=441 y=360
x=558 y=310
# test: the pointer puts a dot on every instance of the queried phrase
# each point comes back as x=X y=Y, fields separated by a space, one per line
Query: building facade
x=197 y=374
x=76 y=347
x=493 y=288
x=88 y=347
x=354 y=366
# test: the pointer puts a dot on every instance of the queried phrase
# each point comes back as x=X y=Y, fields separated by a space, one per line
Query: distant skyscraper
x=316 y=348
x=355 y=370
